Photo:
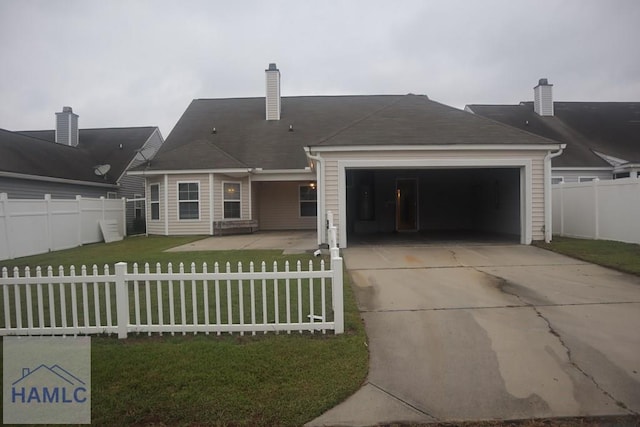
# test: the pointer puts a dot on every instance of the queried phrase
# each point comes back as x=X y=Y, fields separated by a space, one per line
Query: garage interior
x=433 y=205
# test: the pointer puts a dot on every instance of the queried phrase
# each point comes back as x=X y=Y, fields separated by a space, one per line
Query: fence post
x=4 y=199
x=338 y=294
x=596 y=206
x=122 y=299
x=561 y=189
x=79 y=221
x=124 y=215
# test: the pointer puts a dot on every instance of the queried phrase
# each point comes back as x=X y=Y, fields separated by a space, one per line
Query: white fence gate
x=125 y=301
x=608 y=210
x=36 y=226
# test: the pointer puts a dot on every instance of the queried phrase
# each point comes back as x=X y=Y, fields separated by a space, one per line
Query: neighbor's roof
x=36 y=153
x=23 y=154
x=611 y=128
x=243 y=138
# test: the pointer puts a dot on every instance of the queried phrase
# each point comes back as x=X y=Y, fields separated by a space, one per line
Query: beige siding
x=332 y=201
x=218 y=201
x=278 y=206
x=191 y=226
x=537 y=198
x=155 y=226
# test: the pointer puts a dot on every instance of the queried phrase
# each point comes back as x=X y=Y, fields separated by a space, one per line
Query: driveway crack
x=556 y=334
x=404 y=402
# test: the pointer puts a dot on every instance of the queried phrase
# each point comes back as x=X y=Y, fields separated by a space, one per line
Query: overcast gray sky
x=140 y=63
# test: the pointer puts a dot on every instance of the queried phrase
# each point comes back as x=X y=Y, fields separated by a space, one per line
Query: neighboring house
x=381 y=164
x=601 y=137
x=68 y=161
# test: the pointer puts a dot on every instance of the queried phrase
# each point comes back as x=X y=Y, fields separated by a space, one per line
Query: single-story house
x=601 y=137
x=380 y=164
x=67 y=161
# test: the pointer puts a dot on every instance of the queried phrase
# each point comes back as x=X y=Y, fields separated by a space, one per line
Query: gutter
x=320 y=182
x=548 y=217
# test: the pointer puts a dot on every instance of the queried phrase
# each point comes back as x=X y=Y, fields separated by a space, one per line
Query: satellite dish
x=101 y=170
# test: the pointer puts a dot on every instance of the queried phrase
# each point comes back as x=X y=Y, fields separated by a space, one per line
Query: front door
x=406 y=205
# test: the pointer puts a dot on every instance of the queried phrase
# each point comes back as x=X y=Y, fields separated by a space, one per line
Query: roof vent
x=543 y=98
x=273 y=92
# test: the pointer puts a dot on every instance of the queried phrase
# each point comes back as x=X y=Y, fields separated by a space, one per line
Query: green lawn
x=227 y=380
x=618 y=255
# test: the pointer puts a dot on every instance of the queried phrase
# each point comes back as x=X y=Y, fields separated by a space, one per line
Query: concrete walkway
x=291 y=242
x=491 y=332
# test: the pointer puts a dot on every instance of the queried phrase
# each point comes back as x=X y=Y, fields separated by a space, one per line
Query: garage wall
x=537 y=173
x=500 y=191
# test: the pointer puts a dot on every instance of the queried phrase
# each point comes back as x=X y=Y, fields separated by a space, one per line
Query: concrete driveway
x=467 y=332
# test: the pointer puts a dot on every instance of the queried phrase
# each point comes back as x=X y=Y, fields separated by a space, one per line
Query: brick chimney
x=273 y=92
x=543 y=98
x=67 y=127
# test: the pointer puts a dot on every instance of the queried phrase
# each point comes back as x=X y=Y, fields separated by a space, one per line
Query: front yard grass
x=621 y=256
x=214 y=380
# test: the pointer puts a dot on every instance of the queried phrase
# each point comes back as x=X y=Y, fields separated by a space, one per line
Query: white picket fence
x=36 y=226
x=608 y=210
x=145 y=301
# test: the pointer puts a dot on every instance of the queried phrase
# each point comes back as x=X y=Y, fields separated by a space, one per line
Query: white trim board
x=435 y=147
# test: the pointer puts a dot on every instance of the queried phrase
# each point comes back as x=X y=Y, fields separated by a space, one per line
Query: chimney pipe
x=543 y=98
x=273 y=92
x=67 y=127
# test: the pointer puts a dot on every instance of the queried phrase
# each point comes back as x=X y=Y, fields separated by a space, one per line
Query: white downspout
x=548 y=217
x=321 y=226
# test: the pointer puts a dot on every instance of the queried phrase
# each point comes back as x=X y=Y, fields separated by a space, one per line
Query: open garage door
x=468 y=204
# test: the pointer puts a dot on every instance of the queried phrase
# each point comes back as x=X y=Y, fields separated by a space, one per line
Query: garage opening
x=468 y=204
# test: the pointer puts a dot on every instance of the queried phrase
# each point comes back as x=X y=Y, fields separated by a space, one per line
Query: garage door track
x=466 y=332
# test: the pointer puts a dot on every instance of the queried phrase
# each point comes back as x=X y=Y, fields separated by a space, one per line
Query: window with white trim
x=188 y=200
x=586 y=178
x=557 y=179
x=138 y=206
x=154 y=196
x=308 y=197
x=231 y=200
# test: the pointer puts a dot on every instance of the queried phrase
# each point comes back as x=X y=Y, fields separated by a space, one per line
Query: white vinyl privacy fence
x=149 y=299
x=35 y=226
x=607 y=210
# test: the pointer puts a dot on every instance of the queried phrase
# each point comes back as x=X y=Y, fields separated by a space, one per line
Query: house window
x=557 y=179
x=308 y=200
x=231 y=196
x=621 y=175
x=586 y=178
x=188 y=200
x=112 y=195
x=138 y=206
x=154 y=191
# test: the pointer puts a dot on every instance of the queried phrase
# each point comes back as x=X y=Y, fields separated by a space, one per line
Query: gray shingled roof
x=36 y=153
x=244 y=139
x=611 y=128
